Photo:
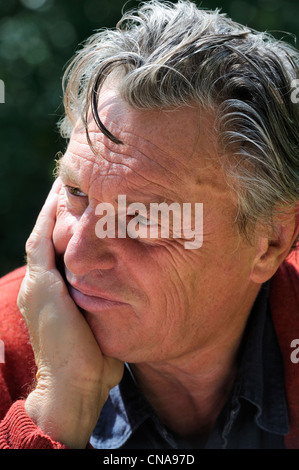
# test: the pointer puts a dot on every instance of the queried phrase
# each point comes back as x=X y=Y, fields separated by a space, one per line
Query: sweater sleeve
x=284 y=300
x=17 y=372
x=18 y=431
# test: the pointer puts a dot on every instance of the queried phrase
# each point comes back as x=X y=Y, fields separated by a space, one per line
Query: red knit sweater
x=17 y=430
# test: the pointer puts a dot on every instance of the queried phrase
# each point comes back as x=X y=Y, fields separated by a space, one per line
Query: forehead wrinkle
x=198 y=175
x=158 y=149
x=134 y=176
x=66 y=170
x=72 y=165
x=120 y=151
x=161 y=192
x=107 y=171
x=174 y=166
x=116 y=126
x=133 y=180
x=112 y=153
x=124 y=151
x=138 y=166
x=136 y=173
x=98 y=170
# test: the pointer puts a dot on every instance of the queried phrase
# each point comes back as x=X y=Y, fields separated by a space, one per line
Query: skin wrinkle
x=119 y=148
x=180 y=314
x=176 y=303
x=149 y=182
x=205 y=234
x=126 y=165
x=124 y=291
x=112 y=175
x=121 y=131
x=115 y=167
x=189 y=317
x=137 y=262
x=113 y=124
x=109 y=146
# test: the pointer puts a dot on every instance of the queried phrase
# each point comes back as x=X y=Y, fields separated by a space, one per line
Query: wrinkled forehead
x=179 y=133
x=170 y=149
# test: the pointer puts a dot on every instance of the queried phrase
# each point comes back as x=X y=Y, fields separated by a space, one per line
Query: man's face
x=151 y=299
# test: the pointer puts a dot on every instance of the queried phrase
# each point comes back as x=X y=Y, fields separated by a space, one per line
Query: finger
x=46 y=210
x=47 y=207
x=39 y=246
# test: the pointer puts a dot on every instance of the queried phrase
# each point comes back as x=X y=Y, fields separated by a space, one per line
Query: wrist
x=68 y=418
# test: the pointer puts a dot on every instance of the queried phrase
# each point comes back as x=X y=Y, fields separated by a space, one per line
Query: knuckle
x=32 y=243
x=25 y=293
x=28 y=292
x=22 y=302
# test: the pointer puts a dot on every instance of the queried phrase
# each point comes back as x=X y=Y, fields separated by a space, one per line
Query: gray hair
x=173 y=55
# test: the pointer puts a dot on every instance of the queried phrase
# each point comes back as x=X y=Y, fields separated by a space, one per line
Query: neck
x=188 y=393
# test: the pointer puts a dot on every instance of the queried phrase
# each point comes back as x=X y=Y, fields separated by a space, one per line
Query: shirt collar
x=123 y=413
x=261 y=375
x=259 y=381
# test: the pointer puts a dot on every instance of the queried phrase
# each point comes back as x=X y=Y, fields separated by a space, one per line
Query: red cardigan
x=17 y=430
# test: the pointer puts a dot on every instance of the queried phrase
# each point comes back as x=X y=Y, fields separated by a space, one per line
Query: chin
x=113 y=341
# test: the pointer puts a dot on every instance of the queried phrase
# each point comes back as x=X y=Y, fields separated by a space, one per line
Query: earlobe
x=271 y=250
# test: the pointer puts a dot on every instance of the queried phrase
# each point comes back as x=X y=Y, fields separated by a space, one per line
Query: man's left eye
x=143 y=220
x=75 y=191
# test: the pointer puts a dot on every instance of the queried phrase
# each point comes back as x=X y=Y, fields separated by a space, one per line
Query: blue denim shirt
x=254 y=417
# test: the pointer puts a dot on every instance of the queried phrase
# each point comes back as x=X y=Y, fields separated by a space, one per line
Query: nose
x=85 y=252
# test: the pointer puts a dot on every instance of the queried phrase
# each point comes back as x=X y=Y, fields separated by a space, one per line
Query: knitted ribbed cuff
x=18 y=431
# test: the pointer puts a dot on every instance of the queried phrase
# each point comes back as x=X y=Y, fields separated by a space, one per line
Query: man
x=138 y=340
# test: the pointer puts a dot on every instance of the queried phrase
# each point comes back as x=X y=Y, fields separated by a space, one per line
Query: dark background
x=37 y=38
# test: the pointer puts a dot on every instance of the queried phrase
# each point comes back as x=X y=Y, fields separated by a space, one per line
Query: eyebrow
x=65 y=172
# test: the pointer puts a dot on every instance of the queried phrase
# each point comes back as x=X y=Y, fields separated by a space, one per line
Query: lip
x=86 y=300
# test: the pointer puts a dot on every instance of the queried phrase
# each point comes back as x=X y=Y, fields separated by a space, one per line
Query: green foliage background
x=37 y=38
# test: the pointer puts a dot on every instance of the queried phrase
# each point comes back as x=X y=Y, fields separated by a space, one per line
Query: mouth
x=93 y=303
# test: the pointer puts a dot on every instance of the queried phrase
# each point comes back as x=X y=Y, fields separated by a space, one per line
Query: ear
x=273 y=248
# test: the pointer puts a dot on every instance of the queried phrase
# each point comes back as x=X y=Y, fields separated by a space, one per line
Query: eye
x=142 y=220
x=71 y=190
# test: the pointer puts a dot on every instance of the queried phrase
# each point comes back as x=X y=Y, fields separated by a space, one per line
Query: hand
x=73 y=377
